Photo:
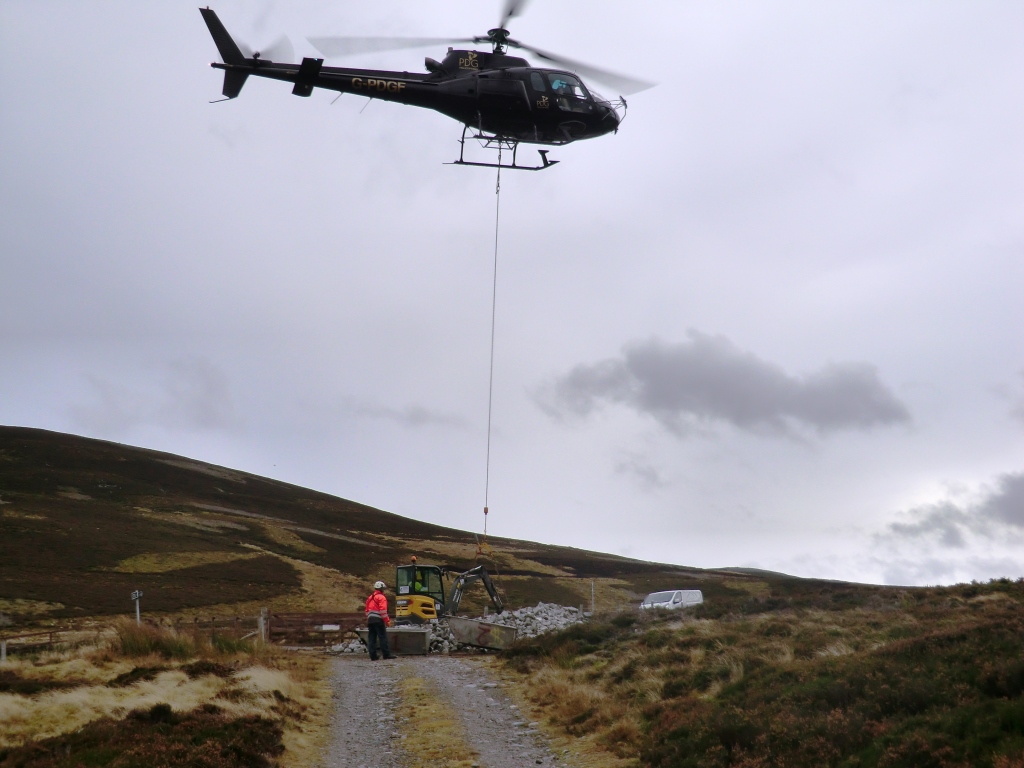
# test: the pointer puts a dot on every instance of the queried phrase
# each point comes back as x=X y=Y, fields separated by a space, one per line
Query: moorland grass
x=188 y=700
x=930 y=677
x=134 y=640
x=157 y=737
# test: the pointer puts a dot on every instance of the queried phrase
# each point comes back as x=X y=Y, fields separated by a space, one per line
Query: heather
x=881 y=677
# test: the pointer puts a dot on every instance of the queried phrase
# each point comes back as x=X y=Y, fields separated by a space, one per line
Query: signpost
x=135 y=596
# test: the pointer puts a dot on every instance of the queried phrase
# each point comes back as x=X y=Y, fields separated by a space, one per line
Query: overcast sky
x=776 y=321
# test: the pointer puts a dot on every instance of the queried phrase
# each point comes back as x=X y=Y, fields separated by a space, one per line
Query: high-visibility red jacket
x=377 y=605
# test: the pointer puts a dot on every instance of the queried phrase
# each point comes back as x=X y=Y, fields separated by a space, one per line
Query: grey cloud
x=1013 y=395
x=947 y=523
x=197 y=394
x=412 y=416
x=190 y=393
x=1006 y=503
x=707 y=379
x=946 y=570
x=931 y=570
x=1017 y=410
x=643 y=471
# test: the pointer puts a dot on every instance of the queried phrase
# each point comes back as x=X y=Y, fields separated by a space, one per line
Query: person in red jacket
x=377 y=622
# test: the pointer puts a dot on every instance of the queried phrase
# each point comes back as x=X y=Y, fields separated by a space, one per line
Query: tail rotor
x=280 y=50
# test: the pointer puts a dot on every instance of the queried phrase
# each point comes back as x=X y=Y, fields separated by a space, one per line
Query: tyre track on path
x=367 y=730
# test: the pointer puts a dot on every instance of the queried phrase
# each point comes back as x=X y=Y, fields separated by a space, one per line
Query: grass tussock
x=53 y=703
x=134 y=640
x=928 y=677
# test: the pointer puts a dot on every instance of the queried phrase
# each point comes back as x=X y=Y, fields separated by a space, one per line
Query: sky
x=774 y=322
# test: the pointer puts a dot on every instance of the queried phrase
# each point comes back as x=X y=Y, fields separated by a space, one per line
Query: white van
x=672 y=600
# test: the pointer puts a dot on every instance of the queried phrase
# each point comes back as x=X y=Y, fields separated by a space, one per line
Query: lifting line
x=482 y=547
x=490 y=384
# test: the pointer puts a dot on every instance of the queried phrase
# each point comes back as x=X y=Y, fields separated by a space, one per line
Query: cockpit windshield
x=567 y=85
x=570 y=95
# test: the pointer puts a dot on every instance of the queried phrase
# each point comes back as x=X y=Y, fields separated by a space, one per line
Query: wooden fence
x=311 y=629
x=27 y=641
x=286 y=629
x=238 y=627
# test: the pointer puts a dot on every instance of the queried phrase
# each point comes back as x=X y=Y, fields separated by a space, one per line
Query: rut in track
x=421 y=711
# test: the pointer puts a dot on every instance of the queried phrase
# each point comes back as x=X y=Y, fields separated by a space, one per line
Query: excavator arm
x=468 y=577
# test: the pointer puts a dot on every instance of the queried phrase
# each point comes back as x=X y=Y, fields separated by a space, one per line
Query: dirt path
x=454 y=704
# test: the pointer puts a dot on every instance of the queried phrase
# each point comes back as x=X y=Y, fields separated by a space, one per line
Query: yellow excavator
x=420 y=590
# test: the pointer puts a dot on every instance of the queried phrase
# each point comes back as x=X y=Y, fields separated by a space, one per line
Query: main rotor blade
x=513 y=8
x=624 y=85
x=346 y=46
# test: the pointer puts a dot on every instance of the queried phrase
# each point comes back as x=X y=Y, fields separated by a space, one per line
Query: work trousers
x=378 y=636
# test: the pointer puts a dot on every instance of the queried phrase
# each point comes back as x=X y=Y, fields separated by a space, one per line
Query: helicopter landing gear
x=499 y=144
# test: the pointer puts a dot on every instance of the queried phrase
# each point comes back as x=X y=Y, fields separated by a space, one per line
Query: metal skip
x=482 y=634
x=404 y=641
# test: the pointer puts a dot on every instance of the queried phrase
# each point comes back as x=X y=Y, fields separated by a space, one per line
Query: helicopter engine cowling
x=468 y=62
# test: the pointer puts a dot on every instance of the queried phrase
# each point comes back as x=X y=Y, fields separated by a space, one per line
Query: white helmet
x=379 y=585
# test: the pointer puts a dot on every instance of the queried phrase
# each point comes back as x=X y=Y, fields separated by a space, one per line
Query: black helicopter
x=501 y=99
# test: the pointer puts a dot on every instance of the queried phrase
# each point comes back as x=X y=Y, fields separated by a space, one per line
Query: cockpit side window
x=570 y=95
x=537 y=81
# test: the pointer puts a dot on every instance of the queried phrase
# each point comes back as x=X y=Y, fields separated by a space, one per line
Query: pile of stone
x=441 y=638
x=355 y=645
x=441 y=641
x=543 y=617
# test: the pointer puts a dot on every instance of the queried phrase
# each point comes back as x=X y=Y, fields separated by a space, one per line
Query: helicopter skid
x=543 y=156
x=500 y=144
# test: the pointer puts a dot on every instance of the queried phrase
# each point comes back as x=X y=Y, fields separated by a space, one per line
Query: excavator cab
x=420 y=594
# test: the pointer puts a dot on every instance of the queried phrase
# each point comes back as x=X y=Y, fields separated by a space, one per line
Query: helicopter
x=500 y=99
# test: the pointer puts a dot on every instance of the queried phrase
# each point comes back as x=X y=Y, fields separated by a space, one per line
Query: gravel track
x=364 y=732
x=495 y=727
x=363 y=728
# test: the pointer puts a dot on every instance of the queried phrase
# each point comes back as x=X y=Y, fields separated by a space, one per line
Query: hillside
x=917 y=678
x=85 y=522
x=771 y=670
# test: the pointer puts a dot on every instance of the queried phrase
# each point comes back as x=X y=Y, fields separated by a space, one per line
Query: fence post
x=263 y=625
x=3 y=651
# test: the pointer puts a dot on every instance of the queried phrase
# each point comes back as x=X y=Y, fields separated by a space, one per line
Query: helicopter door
x=540 y=93
x=502 y=94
